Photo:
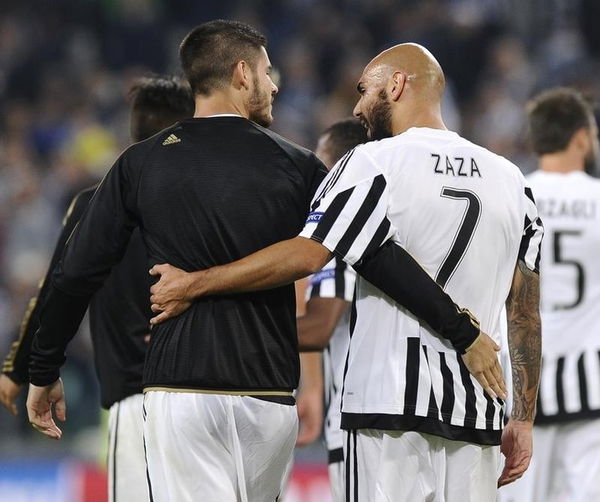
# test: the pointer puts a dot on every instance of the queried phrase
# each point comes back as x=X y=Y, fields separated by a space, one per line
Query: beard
x=590 y=165
x=259 y=106
x=379 y=122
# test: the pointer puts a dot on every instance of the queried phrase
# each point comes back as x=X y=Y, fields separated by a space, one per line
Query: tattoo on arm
x=524 y=340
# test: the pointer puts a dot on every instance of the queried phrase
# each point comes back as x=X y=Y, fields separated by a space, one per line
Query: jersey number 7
x=464 y=234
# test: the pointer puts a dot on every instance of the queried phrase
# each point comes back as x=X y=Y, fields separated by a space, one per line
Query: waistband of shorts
x=224 y=392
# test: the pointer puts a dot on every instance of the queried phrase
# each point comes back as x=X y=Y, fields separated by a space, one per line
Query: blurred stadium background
x=65 y=69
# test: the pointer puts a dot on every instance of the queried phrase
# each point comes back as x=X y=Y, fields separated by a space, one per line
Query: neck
x=561 y=162
x=217 y=103
x=431 y=118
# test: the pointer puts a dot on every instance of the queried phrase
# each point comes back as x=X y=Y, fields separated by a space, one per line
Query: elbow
x=314 y=257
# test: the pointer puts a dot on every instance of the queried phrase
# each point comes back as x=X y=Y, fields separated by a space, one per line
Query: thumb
x=60 y=408
x=496 y=346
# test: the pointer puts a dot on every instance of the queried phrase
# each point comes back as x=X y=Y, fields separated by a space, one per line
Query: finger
x=493 y=383
x=47 y=428
x=60 y=409
x=481 y=378
x=159 y=269
x=156 y=308
x=159 y=318
x=497 y=370
x=13 y=409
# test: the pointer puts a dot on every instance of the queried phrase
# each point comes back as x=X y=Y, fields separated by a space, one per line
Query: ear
x=397 y=82
x=241 y=75
x=581 y=139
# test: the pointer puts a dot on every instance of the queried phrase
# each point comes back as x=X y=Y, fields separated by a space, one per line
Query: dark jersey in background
x=119 y=316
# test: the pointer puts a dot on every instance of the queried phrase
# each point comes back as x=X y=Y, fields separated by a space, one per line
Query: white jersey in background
x=466 y=215
x=334 y=280
x=569 y=205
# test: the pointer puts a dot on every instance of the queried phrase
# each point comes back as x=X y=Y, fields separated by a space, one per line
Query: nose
x=274 y=90
x=356 y=112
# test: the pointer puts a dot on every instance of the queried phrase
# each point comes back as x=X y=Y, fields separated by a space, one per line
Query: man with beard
x=219 y=417
x=119 y=312
x=566 y=465
x=418 y=427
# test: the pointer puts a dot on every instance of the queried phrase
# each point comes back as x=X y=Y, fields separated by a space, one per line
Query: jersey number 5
x=463 y=236
x=559 y=259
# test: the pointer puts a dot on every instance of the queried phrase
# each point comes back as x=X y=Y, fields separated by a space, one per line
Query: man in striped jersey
x=326 y=323
x=416 y=420
x=566 y=465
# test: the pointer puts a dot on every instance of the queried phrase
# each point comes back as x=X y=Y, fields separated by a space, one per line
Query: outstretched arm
x=524 y=344
x=15 y=368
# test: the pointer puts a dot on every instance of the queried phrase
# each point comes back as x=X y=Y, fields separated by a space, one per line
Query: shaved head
x=421 y=69
x=402 y=87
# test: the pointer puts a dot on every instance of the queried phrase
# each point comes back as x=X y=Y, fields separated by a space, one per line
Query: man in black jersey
x=118 y=312
x=219 y=417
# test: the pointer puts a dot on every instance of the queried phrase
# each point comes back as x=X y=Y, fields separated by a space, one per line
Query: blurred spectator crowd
x=66 y=67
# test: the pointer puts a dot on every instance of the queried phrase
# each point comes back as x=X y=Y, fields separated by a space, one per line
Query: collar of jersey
x=429 y=130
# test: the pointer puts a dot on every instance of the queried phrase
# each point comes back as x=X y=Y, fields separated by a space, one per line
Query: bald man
x=418 y=426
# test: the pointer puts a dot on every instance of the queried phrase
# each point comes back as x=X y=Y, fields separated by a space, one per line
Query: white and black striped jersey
x=569 y=205
x=334 y=280
x=466 y=215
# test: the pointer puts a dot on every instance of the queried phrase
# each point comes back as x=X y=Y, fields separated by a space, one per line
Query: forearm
x=60 y=317
x=395 y=272
x=277 y=265
x=313 y=334
x=524 y=341
x=311 y=372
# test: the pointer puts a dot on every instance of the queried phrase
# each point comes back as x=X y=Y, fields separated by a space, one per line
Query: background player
x=325 y=326
x=415 y=419
x=119 y=312
x=566 y=464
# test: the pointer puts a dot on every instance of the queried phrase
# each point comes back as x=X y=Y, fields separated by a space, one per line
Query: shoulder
x=296 y=153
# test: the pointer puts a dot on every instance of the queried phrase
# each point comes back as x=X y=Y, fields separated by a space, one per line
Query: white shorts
x=217 y=448
x=336 y=481
x=126 y=461
x=413 y=467
x=565 y=466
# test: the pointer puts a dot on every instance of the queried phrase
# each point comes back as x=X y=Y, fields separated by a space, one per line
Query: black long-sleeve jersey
x=119 y=314
x=207 y=192
x=204 y=192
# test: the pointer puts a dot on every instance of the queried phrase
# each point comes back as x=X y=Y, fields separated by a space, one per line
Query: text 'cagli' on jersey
x=466 y=215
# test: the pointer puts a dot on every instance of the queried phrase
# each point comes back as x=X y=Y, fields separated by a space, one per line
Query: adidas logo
x=171 y=140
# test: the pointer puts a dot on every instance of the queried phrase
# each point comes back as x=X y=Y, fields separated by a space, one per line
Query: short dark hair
x=158 y=102
x=211 y=50
x=554 y=116
x=343 y=136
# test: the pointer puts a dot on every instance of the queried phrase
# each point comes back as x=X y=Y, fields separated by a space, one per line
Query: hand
x=169 y=295
x=39 y=408
x=517 y=447
x=482 y=362
x=9 y=391
x=310 y=414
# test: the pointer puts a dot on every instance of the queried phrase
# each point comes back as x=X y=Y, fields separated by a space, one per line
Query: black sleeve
x=395 y=272
x=98 y=242
x=16 y=364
